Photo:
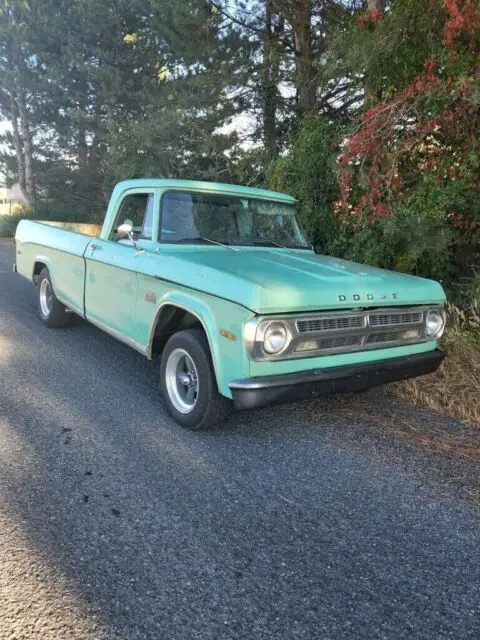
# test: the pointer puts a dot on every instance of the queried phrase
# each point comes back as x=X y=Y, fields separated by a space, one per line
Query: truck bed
x=66 y=248
x=85 y=228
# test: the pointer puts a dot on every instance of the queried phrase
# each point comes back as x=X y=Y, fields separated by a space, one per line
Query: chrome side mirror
x=125 y=230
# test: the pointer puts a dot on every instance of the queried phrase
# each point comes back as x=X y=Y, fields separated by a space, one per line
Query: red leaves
x=364 y=141
x=463 y=223
x=397 y=142
x=369 y=18
x=430 y=65
x=463 y=20
x=375 y=15
x=344 y=182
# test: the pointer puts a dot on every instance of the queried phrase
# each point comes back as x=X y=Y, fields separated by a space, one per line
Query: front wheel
x=188 y=384
x=52 y=312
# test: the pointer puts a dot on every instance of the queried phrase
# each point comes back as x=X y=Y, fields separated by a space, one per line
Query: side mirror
x=125 y=230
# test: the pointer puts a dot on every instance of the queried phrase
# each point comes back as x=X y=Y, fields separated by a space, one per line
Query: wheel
x=52 y=311
x=188 y=384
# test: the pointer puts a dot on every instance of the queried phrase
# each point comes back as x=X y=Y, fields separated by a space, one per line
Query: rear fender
x=42 y=260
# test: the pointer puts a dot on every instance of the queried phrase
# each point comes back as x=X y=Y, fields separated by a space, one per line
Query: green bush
x=8 y=225
x=58 y=212
x=308 y=172
x=422 y=236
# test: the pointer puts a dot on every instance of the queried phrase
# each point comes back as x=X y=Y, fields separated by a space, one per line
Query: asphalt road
x=285 y=523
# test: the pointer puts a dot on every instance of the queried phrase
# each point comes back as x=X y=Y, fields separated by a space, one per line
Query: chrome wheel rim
x=46 y=297
x=181 y=378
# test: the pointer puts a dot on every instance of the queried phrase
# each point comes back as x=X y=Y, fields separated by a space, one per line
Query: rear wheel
x=188 y=384
x=52 y=312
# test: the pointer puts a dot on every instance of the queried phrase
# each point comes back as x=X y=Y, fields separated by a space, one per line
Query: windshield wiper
x=222 y=244
x=269 y=243
x=204 y=239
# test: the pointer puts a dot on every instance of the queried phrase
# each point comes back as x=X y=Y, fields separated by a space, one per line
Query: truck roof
x=200 y=185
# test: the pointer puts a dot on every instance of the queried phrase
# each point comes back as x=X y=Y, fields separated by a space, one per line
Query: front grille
x=330 y=324
x=388 y=319
x=358 y=331
x=340 y=342
x=381 y=338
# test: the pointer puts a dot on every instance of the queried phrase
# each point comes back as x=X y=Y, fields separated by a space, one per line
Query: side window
x=137 y=210
x=177 y=217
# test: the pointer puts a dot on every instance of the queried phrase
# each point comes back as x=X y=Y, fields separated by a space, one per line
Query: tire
x=52 y=311
x=187 y=355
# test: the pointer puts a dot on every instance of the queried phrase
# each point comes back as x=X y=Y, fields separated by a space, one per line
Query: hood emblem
x=356 y=297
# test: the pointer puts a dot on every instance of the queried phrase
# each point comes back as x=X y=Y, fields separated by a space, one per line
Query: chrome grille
x=388 y=319
x=358 y=331
x=380 y=338
x=330 y=324
x=358 y=321
x=340 y=342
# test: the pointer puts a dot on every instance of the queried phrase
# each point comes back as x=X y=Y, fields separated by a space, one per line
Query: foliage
x=119 y=90
x=453 y=389
x=8 y=224
x=308 y=172
x=410 y=169
x=43 y=210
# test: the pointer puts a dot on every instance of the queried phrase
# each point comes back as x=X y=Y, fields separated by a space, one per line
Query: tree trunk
x=82 y=148
x=272 y=44
x=304 y=59
x=82 y=129
x=15 y=116
x=17 y=142
x=30 y=187
x=377 y=6
x=373 y=94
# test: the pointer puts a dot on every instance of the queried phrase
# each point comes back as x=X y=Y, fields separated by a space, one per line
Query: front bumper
x=252 y=393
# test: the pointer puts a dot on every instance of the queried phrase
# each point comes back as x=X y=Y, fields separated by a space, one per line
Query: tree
x=189 y=92
x=96 y=92
x=14 y=89
x=411 y=165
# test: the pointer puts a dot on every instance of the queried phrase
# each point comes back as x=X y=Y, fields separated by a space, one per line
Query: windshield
x=203 y=217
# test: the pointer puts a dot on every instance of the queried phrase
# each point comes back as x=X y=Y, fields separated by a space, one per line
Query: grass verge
x=8 y=224
x=454 y=389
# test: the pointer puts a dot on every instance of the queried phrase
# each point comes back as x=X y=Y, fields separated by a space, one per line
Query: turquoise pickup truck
x=220 y=283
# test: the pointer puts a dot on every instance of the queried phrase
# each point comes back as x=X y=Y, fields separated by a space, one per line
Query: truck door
x=111 y=268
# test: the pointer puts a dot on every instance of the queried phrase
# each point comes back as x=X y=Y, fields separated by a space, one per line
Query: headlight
x=435 y=323
x=276 y=337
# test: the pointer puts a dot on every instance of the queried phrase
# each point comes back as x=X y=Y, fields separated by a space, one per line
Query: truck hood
x=282 y=281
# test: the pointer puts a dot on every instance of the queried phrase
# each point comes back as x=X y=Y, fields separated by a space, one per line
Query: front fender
x=228 y=355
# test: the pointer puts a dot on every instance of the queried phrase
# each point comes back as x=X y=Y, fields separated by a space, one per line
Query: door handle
x=94 y=247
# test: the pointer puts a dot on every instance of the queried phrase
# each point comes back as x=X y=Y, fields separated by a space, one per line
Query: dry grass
x=454 y=389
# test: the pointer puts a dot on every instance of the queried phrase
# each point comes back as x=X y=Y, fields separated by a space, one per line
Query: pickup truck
x=220 y=283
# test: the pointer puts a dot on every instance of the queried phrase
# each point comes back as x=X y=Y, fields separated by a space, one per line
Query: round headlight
x=435 y=323
x=276 y=338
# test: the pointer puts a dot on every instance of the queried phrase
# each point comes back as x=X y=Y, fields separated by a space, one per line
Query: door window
x=136 y=210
